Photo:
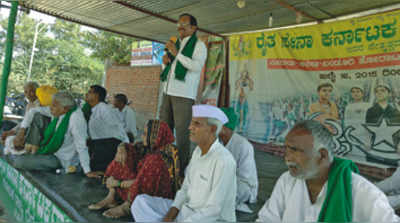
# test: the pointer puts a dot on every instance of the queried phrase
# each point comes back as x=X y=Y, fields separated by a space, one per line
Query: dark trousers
x=177 y=113
x=35 y=132
x=102 y=152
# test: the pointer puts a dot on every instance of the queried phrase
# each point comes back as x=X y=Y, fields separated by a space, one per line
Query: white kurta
x=28 y=118
x=187 y=88
x=290 y=202
x=246 y=171
x=208 y=192
x=105 y=123
x=28 y=107
x=391 y=186
x=73 y=151
x=128 y=118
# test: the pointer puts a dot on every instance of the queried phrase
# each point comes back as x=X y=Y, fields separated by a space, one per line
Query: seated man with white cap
x=208 y=192
x=243 y=152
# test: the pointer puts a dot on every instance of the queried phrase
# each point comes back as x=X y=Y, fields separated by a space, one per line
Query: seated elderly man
x=30 y=94
x=243 y=152
x=64 y=142
x=391 y=187
x=29 y=134
x=209 y=189
x=319 y=187
x=106 y=130
x=127 y=115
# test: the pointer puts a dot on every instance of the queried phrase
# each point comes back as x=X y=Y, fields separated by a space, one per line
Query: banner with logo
x=345 y=74
x=30 y=204
x=146 y=53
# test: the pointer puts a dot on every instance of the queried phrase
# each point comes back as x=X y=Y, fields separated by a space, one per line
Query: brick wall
x=141 y=86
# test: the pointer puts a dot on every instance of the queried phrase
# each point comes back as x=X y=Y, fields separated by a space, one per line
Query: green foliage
x=61 y=58
x=106 y=45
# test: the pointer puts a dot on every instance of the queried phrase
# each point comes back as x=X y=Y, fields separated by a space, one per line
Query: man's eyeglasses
x=182 y=24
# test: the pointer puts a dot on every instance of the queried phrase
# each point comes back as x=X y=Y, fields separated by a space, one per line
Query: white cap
x=209 y=111
x=359 y=86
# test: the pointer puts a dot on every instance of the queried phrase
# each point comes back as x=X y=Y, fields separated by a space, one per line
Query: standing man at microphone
x=183 y=63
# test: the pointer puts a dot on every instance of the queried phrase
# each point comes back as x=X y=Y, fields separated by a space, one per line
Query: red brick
x=140 y=84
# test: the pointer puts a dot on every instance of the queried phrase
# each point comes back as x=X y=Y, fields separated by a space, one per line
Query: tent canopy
x=155 y=19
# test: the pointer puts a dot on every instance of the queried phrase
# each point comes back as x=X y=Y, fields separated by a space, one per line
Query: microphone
x=173 y=39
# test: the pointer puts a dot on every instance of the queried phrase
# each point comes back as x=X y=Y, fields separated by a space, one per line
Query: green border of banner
x=31 y=204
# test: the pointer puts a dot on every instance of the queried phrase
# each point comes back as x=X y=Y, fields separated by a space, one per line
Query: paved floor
x=269 y=168
x=74 y=192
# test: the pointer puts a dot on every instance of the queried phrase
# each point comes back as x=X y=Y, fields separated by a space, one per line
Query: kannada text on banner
x=345 y=74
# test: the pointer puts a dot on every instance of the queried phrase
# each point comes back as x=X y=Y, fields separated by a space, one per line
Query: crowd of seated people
x=143 y=177
x=154 y=181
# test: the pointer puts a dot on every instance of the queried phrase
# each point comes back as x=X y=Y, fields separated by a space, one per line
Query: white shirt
x=26 y=122
x=208 y=192
x=246 y=171
x=290 y=202
x=355 y=114
x=391 y=184
x=187 y=88
x=28 y=107
x=73 y=150
x=128 y=118
x=391 y=187
x=31 y=105
x=105 y=123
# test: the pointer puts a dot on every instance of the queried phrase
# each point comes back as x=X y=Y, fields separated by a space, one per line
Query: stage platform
x=48 y=197
x=31 y=196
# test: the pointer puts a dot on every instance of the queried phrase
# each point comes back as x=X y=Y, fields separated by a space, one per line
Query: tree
x=109 y=46
x=61 y=59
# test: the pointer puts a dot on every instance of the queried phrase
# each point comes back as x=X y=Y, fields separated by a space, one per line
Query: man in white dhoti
x=319 y=187
x=208 y=192
x=243 y=152
x=391 y=187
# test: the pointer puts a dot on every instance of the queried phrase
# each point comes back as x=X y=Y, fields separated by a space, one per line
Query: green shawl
x=54 y=138
x=338 y=204
x=180 y=70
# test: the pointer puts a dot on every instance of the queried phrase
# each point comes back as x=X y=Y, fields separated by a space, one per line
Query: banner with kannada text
x=345 y=74
x=30 y=204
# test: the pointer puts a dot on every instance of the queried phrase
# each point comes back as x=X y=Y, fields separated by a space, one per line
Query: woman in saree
x=144 y=168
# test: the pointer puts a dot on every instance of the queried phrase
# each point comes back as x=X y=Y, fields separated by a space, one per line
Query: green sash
x=54 y=138
x=338 y=204
x=180 y=70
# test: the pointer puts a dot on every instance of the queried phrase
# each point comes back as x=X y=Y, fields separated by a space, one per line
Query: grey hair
x=31 y=84
x=217 y=123
x=323 y=138
x=64 y=98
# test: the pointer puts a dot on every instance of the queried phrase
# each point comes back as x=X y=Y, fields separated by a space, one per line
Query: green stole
x=180 y=70
x=338 y=204
x=54 y=138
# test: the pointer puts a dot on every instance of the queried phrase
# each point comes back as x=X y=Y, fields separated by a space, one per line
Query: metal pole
x=33 y=50
x=8 y=56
